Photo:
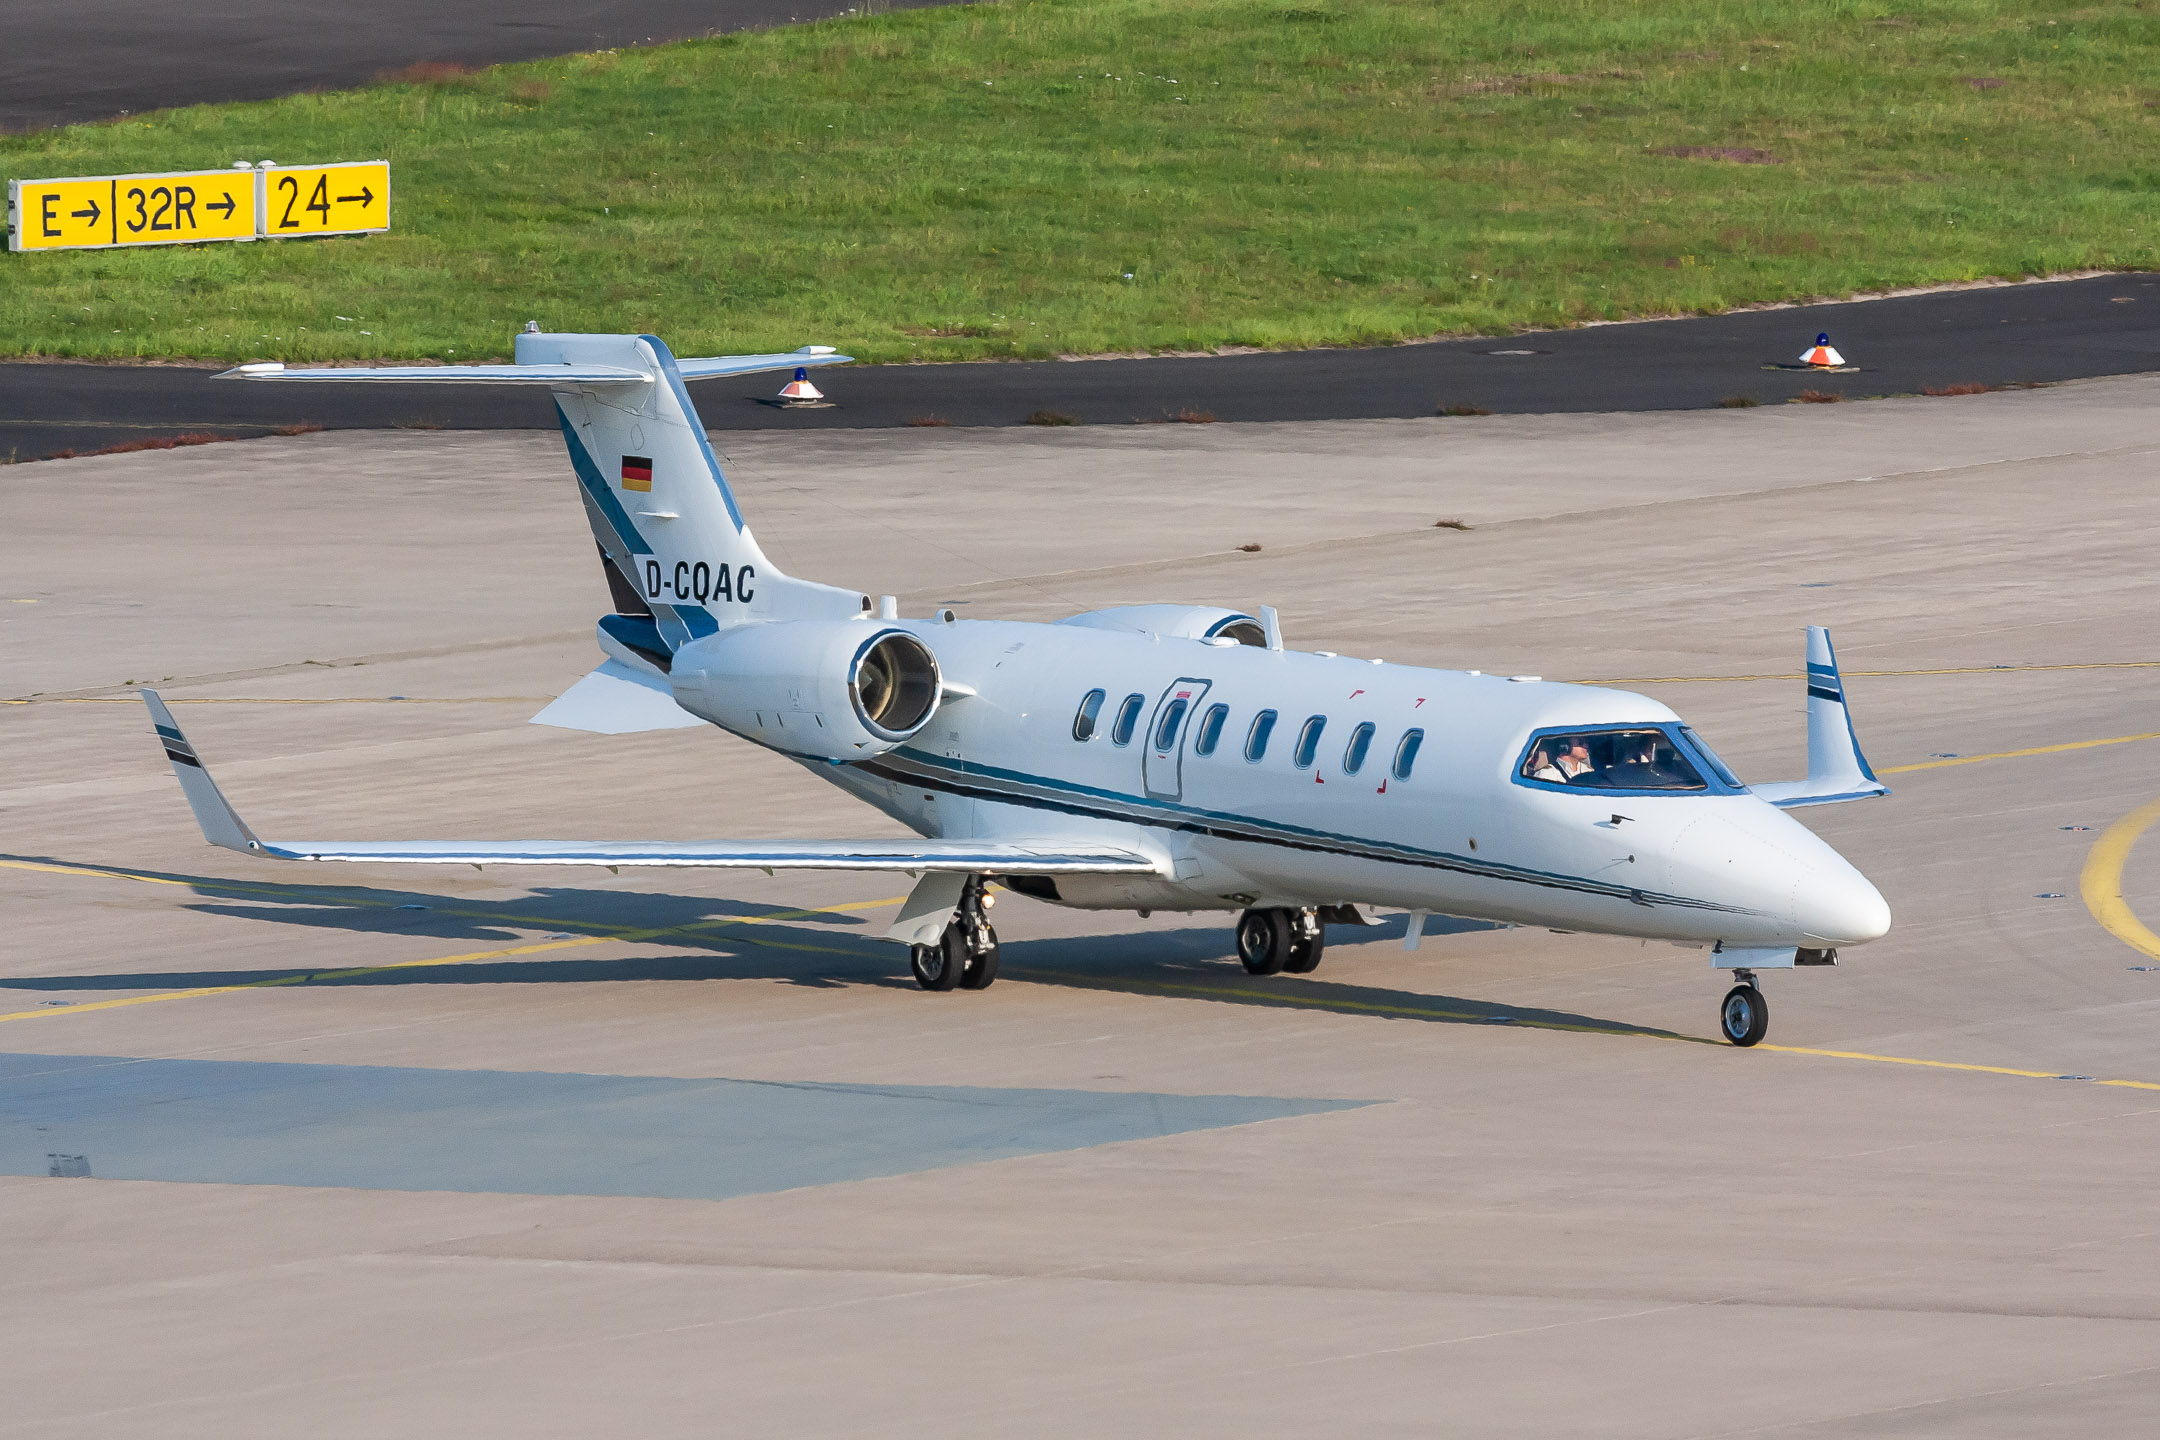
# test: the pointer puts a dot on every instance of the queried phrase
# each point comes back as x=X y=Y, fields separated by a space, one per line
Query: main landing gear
x=1744 y=1017
x=1270 y=942
x=966 y=955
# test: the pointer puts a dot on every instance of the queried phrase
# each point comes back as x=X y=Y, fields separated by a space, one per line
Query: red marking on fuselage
x=1420 y=701
x=1355 y=693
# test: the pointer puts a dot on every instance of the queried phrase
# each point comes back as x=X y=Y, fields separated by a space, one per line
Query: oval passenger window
x=1353 y=758
x=1166 y=729
x=1406 y=752
x=1084 y=718
x=1128 y=715
x=1210 y=729
x=1263 y=725
x=1308 y=742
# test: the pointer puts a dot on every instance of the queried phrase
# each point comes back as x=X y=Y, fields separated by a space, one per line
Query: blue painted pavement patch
x=543 y=1133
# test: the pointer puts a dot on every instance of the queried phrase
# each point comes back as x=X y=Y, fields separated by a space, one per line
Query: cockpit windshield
x=1611 y=760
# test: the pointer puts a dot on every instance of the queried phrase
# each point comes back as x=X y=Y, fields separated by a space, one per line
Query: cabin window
x=1128 y=715
x=1210 y=731
x=1611 y=760
x=1084 y=718
x=1166 y=729
x=1406 y=752
x=1308 y=742
x=1710 y=757
x=1353 y=756
x=1263 y=725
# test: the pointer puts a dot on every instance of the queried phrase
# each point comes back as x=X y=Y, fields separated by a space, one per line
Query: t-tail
x=681 y=560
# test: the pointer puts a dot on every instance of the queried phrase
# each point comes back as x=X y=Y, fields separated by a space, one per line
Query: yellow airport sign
x=177 y=208
x=325 y=199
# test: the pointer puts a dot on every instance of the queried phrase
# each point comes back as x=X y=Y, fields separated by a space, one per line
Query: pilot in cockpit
x=1635 y=765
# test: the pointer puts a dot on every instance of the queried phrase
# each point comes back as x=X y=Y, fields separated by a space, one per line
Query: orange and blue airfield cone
x=800 y=391
x=1819 y=354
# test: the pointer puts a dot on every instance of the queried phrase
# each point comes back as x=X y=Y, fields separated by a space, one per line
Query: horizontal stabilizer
x=617 y=700
x=543 y=374
x=1837 y=771
x=221 y=826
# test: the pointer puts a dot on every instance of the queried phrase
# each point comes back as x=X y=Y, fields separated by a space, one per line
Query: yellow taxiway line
x=2018 y=754
x=2101 y=880
x=2101 y=884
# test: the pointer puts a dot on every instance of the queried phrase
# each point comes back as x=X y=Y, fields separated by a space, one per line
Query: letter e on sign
x=174 y=208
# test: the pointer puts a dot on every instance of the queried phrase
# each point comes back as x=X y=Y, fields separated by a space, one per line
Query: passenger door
x=1162 y=754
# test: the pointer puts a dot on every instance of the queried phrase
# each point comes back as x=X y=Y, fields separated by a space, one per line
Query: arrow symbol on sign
x=365 y=197
x=230 y=206
x=90 y=214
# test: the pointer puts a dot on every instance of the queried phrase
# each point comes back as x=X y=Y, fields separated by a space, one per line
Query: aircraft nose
x=1837 y=905
x=1799 y=889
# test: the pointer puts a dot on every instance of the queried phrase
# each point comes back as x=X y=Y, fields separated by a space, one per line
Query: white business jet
x=1147 y=757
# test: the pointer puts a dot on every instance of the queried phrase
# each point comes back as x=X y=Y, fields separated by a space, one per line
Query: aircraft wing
x=221 y=825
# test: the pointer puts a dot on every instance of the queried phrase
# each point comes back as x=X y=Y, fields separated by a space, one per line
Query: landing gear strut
x=966 y=955
x=1744 y=1016
x=1272 y=941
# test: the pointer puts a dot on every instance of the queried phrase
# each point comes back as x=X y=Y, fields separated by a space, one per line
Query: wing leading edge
x=221 y=825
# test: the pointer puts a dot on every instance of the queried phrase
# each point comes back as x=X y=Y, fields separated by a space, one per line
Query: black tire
x=1304 y=956
x=1745 y=1016
x=939 y=966
x=982 y=967
x=1263 y=941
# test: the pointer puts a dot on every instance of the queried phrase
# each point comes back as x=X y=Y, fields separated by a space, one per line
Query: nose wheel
x=1744 y=1016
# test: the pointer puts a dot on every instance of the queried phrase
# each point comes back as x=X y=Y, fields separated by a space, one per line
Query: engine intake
x=894 y=685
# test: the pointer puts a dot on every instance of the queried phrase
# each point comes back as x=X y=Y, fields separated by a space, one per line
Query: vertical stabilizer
x=656 y=497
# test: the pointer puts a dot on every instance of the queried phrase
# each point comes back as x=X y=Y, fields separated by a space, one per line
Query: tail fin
x=656 y=497
x=666 y=521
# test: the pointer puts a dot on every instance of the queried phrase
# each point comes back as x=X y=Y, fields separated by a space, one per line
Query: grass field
x=1036 y=177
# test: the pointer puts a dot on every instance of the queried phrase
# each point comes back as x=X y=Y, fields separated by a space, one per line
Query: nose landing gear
x=1744 y=1016
x=966 y=955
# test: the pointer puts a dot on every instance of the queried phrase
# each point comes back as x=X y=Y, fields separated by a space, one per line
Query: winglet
x=220 y=825
x=1836 y=768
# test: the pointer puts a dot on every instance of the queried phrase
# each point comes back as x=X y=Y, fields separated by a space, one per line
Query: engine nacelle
x=1190 y=622
x=834 y=689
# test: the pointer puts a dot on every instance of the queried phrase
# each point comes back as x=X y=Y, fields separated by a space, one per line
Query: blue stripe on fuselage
x=937 y=772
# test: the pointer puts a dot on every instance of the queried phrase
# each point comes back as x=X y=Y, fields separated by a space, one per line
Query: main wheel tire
x=1744 y=1017
x=1304 y=957
x=981 y=968
x=1263 y=941
x=939 y=966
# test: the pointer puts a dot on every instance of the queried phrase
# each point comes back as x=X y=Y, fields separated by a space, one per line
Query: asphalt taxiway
x=72 y=61
x=345 y=1150
x=2002 y=335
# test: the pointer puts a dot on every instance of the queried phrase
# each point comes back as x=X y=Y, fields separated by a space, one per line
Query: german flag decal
x=636 y=473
